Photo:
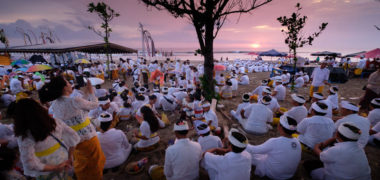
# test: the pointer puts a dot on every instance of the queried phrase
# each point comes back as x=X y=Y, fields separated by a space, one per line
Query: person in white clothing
x=235 y=85
x=300 y=81
x=317 y=128
x=244 y=80
x=105 y=105
x=334 y=99
x=183 y=157
x=125 y=112
x=271 y=103
x=374 y=114
x=7 y=98
x=209 y=116
x=37 y=82
x=318 y=97
x=278 y=158
x=114 y=143
x=298 y=111
x=350 y=113
x=259 y=90
x=167 y=102
x=255 y=117
x=206 y=139
x=231 y=163
x=16 y=85
x=340 y=157
x=244 y=104
x=279 y=91
x=319 y=78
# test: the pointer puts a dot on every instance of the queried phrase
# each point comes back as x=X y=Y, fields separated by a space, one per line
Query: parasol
x=22 y=69
x=272 y=53
x=371 y=54
x=82 y=61
x=20 y=62
x=38 y=67
x=219 y=67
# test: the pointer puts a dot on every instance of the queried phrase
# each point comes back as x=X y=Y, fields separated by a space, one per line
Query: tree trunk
x=294 y=68
x=208 y=53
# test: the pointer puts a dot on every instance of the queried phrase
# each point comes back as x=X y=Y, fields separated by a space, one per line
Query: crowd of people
x=63 y=126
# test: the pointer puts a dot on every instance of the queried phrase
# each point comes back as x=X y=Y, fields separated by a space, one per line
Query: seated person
x=317 y=128
x=148 y=137
x=226 y=91
x=206 y=139
x=255 y=117
x=125 y=112
x=167 y=102
x=278 y=158
x=99 y=92
x=114 y=143
x=209 y=116
x=340 y=157
x=244 y=80
x=259 y=90
x=334 y=99
x=6 y=97
x=245 y=103
x=231 y=163
x=298 y=111
x=279 y=91
x=105 y=105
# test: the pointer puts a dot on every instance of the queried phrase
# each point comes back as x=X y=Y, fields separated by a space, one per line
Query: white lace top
x=34 y=165
x=72 y=111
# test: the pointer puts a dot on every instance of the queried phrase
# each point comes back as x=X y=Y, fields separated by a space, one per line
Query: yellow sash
x=48 y=151
x=81 y=125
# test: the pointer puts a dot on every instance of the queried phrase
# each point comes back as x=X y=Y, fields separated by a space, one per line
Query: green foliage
x=209 y=94
x=3 y=38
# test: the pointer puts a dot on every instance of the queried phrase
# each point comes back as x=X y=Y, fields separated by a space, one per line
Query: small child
x=125 y=112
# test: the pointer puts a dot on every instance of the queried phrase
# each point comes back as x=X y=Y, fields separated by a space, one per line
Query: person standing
x=372 y=89
x=319 y=78
x=89 y=159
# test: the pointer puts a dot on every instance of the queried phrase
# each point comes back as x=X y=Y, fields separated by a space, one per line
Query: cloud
x=266 y=27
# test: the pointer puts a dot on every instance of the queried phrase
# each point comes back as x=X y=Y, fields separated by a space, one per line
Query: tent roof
x=95 y=48
x=272 y=52
x=355 y=54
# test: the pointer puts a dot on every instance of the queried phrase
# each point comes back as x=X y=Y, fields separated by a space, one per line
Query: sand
x=352 y=90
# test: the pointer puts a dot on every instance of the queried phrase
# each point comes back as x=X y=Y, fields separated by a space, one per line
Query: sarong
x=89 y=160
x=316 y=89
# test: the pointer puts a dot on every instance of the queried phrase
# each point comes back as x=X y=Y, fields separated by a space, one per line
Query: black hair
x=150 y=117
x=241 y=138
x=183 y=132
x=31 y=118
x=7 y=161
x=267 y=98
x=202 y=127
x=152 y=97
x=53 y=90
x=353 y=129
x=105 y=125
x=127 y=105
x=98 y=86
x=197 y=96
x=291 y=121
x=322 y=106
x=122 y=83
x=104 y=98
x=140 y=97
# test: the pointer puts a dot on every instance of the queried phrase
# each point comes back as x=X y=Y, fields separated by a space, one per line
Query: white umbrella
x=94 y=81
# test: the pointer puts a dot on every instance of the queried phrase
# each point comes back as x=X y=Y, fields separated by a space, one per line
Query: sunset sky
x=351 y=24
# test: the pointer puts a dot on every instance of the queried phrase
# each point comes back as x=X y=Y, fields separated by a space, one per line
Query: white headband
x=298 y=99
x=104 y=102
x=181 y=126
x=332 y=90
x=267 y=90
x=349 y=106
x=284 y=122
x=317 y=108
x=245 y=99
x=205 y=105
x=103 y=117
x=156 y=90
x=346 y=132
x=315 y=95
x=376 y=101
x=236 y=142
x=165 y=90
x=264 y=102
x=203 y=131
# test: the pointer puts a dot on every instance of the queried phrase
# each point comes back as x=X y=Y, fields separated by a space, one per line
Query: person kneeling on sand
x=241 y=106
x=278 y=158
x=114 y=143
x=231 y=163
x=181 y=159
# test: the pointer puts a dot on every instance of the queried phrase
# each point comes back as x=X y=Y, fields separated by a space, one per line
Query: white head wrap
x=203 y=128
x=105 y=117
x=245 y=97
x=236 y=142
x=266 y=89
x=205 y=105
x=181 y=126
x=284 y=122
x=164 y=90
x=347 y=132
x=332 y=89
x=262 y=100
x=298 y=98
x=317 y=108
x=318 y=96
x=349 y=106
x=104 y=102
x=376 y=101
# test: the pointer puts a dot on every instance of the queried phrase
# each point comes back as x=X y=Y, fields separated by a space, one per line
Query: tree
x=106 y=14
x=207 y=17
x=3 y=38
x=295 y=38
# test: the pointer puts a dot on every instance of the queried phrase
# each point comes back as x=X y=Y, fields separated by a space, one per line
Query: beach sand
x=351 y=90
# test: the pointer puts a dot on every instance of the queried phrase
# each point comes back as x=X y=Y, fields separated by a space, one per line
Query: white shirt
x=76 y=93
x=182 y=160
x=319 y=75
x=299 y=82
x=234 y=84
x=7 y=99
x=115 y=146
x=100 y=92
x=209 y=142
x=166 y=105
x=259 y=91
x=145 y=131
x=125 y=113
x=315 y=129
x=298 y=113
x=211 y=116
x=281 y=92
x=273 y=105
x=244 y=80
x=239 y=108
x=230 y=166
x=258 y=116
x=39 y=84
x=345 y=160
x=15 y=86
x=276 y=158
x=333 y=100
x=374 y=116
x=362 y=123
x=180 y=95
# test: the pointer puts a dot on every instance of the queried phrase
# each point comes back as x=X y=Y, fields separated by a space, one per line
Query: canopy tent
x=326 y=53
x=371 y=54
x=37 y=58
x=354 y=54
x=272 y=53
x=92 y=48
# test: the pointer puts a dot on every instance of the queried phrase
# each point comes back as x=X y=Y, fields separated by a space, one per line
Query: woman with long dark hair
x=46 y=145
x=89 y=159
x=148 y=129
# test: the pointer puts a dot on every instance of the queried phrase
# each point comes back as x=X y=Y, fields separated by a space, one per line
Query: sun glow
x=255 y=45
